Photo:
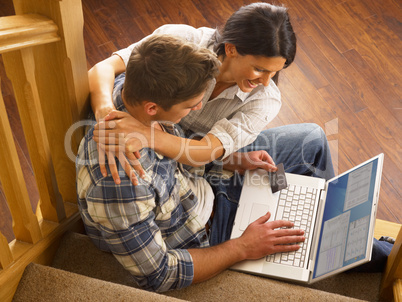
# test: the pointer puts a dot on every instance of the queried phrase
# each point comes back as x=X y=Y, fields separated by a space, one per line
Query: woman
x=256 y=43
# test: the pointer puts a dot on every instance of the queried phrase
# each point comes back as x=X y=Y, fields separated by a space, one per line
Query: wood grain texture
x=21 y=31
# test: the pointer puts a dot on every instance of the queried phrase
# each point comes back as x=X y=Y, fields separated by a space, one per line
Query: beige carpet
x=46 y=284
x=77 y=254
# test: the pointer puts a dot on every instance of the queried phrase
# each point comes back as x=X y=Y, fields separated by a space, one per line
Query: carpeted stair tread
x=43 y=283
x=235 y=286
x=79 y=255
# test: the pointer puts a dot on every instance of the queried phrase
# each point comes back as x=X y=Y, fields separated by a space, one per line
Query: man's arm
x=101 y=79
x=261 y=238
x=124 y=217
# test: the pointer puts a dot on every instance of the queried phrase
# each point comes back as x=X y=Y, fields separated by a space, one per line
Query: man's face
x=178 y=111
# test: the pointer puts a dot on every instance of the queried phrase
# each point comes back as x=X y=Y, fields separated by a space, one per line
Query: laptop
x=338 y=217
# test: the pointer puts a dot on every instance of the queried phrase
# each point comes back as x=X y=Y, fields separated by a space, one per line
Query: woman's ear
x=230 y=50
x=150 y=108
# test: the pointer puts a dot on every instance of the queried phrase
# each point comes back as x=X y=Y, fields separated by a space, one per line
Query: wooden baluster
x=20 y=68
x=25 y=223
x=62 y=81
x=5 y=254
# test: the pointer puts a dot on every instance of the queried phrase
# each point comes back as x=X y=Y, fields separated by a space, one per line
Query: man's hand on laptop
x=263 y=238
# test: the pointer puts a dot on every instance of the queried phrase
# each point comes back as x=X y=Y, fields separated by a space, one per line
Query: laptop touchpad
x=257 y=211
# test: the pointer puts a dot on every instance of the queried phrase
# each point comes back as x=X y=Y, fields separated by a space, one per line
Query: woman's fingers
x=129 y=162
x=128 y=168
x=101 y=159
x=113 y=167
x=134 y=163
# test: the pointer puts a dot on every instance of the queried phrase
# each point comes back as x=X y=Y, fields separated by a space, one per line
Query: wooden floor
x=346 y=76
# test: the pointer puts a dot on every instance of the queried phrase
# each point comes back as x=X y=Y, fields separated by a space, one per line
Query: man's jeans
x=303 y=149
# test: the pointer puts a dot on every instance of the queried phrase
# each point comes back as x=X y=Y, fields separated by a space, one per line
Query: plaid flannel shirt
x=147 y=227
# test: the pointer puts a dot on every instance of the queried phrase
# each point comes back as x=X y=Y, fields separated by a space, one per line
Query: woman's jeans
x=302 y=148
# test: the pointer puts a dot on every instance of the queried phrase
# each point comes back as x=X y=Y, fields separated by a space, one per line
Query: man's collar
x=118 y=98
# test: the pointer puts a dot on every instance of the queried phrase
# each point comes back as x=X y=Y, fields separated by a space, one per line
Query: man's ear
x=150 y=108
x=230 y=50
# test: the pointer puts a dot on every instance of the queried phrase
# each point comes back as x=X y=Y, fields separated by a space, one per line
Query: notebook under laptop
x=342 y=212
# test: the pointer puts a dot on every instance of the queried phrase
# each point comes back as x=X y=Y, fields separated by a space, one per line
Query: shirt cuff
x=186 y=267
x=232 y=137
x=226 y=140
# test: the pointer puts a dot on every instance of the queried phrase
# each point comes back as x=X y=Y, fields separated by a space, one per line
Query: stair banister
x=44 y=56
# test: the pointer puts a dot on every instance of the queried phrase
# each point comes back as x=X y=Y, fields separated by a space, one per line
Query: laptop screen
x=346 y=219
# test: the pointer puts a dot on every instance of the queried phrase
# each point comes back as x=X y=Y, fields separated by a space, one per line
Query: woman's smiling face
x=249 y=71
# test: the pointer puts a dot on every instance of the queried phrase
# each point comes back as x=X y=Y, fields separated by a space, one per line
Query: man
x=156 y=229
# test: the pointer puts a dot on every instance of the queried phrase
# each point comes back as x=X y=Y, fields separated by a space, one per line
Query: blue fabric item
x=227 y=194
x=381 y=250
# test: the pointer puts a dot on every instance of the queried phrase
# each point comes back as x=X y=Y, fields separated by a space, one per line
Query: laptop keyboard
x=296 y=203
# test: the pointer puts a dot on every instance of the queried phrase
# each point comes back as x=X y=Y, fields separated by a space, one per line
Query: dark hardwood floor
x=346 y=76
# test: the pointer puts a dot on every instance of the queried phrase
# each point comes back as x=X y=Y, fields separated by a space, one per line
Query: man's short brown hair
x=167 y=70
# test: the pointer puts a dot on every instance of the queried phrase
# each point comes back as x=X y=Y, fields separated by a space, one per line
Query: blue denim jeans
x=381 y=250
x=227 y=195
x=302 y=148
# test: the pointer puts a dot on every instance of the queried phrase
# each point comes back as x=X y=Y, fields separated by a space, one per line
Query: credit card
x=277 y=179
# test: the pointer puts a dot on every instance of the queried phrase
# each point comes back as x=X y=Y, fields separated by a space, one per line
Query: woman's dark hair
x=259 y=29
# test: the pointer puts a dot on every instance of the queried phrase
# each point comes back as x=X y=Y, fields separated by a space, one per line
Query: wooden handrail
x=21 y=31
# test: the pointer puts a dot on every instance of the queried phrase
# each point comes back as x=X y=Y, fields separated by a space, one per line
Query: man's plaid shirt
x=147 y=227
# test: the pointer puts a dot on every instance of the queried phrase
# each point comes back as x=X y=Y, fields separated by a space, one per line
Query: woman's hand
x=119 y=135
x=242 y=161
